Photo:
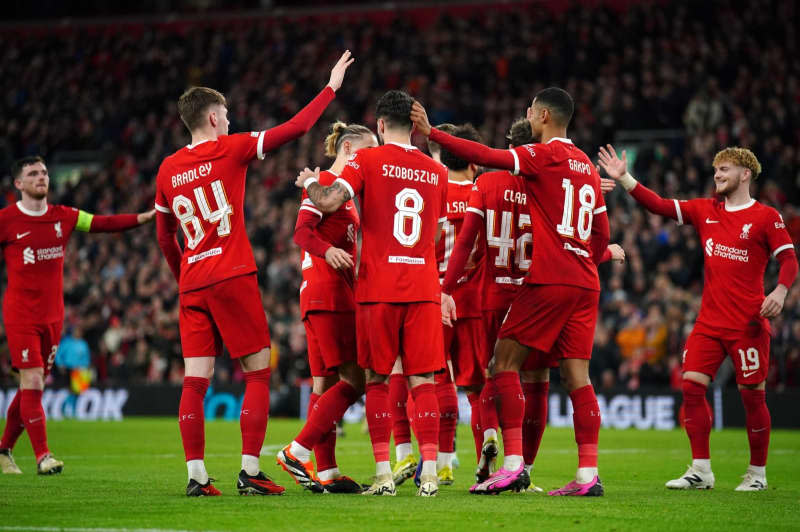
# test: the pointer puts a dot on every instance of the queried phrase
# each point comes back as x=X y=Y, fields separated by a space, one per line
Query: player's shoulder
x=61 y=211
x=326 y=178
x=497 y=179
x=768 y=212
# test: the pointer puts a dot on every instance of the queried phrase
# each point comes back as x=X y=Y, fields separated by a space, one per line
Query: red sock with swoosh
x=586 y=419
x=697 y=418
x=14 y=425
x=191 y=418
x=255 y=411
x=30 y=408
x=758 y=422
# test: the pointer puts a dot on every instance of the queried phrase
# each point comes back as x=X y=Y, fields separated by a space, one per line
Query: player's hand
x=337 y=73
x=613 y=165
x=338 y=259
x=607 y=185
x=617 y=253
x=773 y=303
x=145 y=217
x=448 y=309
x=420 y=118
x=305 y=175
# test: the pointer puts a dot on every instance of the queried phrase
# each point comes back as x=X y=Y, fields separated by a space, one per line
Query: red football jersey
x=737 y=244
x=563 y=195
x=468 y=293
x=402 y=196
x=501 y=200
x=33 y=248
x=326 y=288
x=203 y=187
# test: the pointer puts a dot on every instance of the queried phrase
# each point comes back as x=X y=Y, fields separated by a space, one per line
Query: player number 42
x=185 y=212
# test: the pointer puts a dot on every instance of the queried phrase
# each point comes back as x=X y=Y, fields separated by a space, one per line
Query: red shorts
x=33 y=346
x=412 y=331
x=750 y=354
x=331 y=339
x=555 y=319
x=228 y=312
x=465 y=347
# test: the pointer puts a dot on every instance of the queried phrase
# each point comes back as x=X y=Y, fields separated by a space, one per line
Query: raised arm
x=474 y=152
x=299 y=124
x=617 y=169
x=166 y=227
x=326 y=199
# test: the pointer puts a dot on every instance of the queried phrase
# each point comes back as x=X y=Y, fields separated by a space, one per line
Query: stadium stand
x=692 y=78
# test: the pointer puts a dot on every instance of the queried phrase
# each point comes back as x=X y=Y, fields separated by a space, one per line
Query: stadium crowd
x=699 y=76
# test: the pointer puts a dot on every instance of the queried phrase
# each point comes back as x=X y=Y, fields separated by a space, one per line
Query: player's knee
x=758 y=386
x=696 y=377
x=536 y=375
x=693 y=389
x=31 y=379
x=353 y=375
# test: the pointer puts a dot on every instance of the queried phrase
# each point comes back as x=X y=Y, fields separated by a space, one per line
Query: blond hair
x=194 y=103
x=740 y=157
x=340 y=131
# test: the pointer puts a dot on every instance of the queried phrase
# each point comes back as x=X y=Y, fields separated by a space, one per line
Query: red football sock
x=697 y=420
x=489 y=407
x=319 y=431
x=14 y=424
x=586 y=420
x=511 y=409
x=30 y=408
x=191 y=418
x=475 y=422
x=448 y=415
x=426 y=420
x=398 y=397
x=410 y=413
x=758 y=422
x=535 y=419
x=255 y=411
x=379 y=419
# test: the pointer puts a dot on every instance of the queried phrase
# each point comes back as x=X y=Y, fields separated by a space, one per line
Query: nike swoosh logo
x=759 y=430
x=35 y=420
x=23 y=235
x=747 y=374
x=709 y=221
x=348 y=207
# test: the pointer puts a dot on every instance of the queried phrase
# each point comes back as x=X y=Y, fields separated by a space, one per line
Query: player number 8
x=406 y=211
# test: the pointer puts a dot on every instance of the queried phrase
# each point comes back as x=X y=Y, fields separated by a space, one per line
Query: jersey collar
x=741 y=207
x=191 y=146
x=405 y=146
x=559 y=139
x=30 y=212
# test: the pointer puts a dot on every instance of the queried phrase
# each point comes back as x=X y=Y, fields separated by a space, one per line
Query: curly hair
x=740 y=157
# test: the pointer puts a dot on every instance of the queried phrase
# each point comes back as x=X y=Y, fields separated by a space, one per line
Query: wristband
x=628 y=182
x=307 y=182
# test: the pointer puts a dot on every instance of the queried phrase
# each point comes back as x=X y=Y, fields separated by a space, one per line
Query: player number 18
x=587 y=200
x=185 y=213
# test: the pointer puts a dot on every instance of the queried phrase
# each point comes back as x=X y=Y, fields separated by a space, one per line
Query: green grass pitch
x=130 y=475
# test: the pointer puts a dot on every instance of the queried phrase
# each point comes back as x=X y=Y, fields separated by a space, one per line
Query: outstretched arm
x=474 y=152
x=327 y=199
x=617 y=169
x=91 y=223
x=166 y=226
x=300 y=123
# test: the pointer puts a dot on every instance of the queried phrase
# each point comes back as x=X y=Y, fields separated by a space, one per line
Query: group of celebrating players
x=483 y=284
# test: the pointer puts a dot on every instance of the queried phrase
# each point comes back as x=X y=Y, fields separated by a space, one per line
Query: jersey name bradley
x=410 y=174
x=191 y=175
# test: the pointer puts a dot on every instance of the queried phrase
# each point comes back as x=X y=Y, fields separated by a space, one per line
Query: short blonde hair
x=740 y=157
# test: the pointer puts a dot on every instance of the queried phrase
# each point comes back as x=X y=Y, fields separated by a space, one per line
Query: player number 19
x=749 y=359
x=587 y=200
x=185 y=213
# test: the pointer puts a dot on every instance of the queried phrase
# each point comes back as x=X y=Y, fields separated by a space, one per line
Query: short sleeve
x=528 y=159
x=247 y=146
x=352 y=177
x=778 y=238
x=477 y=202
